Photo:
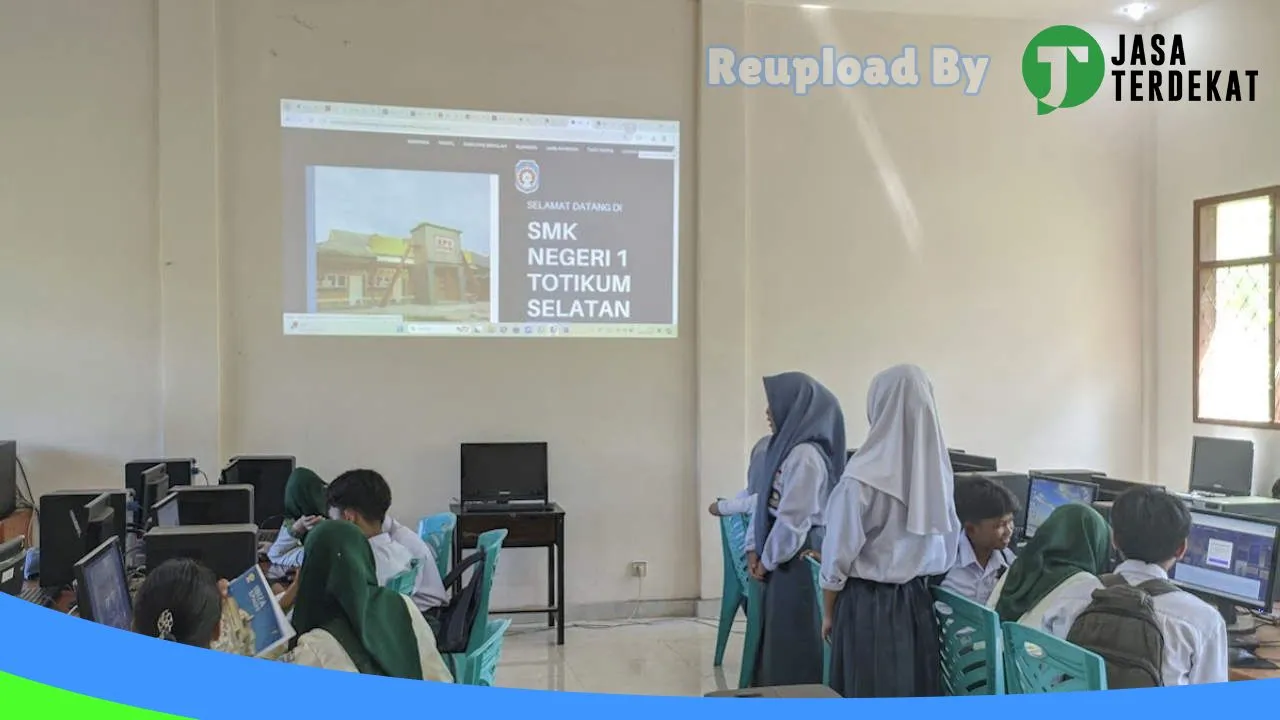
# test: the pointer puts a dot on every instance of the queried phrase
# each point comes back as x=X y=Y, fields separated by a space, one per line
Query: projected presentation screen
x=422 y=222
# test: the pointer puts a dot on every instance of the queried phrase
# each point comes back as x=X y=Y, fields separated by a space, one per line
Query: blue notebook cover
x=252 y=594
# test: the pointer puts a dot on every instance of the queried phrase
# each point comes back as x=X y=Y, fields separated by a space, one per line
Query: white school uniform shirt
x=867 y=538
x=429 y=591
x=795 y=503
x=286 y=551
x=1057 y=610
x=744 y=503
x=971 y=580
x=1195 y=635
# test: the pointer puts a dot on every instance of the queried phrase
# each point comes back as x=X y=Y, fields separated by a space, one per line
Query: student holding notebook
x=891 y=530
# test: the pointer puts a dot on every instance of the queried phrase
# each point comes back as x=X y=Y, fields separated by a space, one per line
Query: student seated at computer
x=1150 y=528
x=745 y=501
x=304 y=507
x=363 y=497
x=347 y=621
x=1063 y=560
x=180 y=601
x=985 y=509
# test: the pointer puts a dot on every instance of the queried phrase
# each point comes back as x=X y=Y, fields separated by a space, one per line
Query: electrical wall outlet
x=639 y=568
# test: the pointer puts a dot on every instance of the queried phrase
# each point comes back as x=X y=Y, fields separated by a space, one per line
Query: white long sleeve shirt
x=795 y=503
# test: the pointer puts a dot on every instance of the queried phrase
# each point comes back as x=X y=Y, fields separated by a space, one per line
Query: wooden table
x=1269 y=636
x=525 y=529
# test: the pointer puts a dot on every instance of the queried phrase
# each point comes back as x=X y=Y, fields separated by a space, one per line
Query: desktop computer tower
x=227 y=550
x=60 y=546
x=1259 y=507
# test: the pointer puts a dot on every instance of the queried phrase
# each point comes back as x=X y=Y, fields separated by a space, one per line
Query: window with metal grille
x=1234 y=329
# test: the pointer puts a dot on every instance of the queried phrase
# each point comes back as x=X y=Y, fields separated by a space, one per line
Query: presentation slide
x=455 y=223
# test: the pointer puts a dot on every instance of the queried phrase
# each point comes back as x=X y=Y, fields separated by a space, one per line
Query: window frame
x=1198 y=266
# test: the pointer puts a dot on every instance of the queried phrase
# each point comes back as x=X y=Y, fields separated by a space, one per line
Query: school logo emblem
x=527 y=176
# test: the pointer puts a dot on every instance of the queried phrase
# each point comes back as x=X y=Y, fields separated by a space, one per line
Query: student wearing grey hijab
x=790 y=482
x=744 y=503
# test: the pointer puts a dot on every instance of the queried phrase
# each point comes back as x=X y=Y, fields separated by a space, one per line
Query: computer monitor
x=1110 y=488
x=102 y=588
x=504 y=472
x=1221 y=466
x=215 y=505
x=62 y=524
x=268 y=475
x=227 y=550
x=1046 y=494
x=1231 y=559
x=13 y=555
x=964 y=462
x=155 y=485
x=100 y=522
x=179 y=470
x=165 y=512
x=8 y=477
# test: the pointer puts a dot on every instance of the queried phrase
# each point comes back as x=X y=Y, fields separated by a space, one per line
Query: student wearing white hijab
x=891 y=530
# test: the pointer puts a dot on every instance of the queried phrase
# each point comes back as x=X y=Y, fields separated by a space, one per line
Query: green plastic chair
x=482 y=665
x=751 y=643
x=815 y=569
x=437 y=532
x=733 y=538
x=405 y=582
x=972 y=645
x=481 y=647
x=1036 y=662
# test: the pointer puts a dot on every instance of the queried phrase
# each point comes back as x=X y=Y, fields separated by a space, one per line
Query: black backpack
x=1120 y=625
x=459 y=615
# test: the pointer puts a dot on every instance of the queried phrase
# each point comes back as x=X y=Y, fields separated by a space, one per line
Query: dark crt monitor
x=1231 y=560
x=8 y=477
x=155 y=485
x=964 y=462
x=165 y=512
x=1047 y=494
x=215 y=505
x=102 y=588
x=1110 y=488
x=504 y=472
x=227 y=550
x=62 y=525
x=179 y=470
x=267 y=474
x=1221 y=466
x=13 y=556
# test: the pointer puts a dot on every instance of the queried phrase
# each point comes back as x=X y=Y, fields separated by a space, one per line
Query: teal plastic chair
x=437 y=532
x=405 y=582
x=736 y=595
x=972 y=645
x=482 y=665
x=815 y=569
x=1036 y=662
x=482 y=650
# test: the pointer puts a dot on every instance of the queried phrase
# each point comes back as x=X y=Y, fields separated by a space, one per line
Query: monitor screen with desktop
x=1230 y=559
x=13 y=555
x=165 y=512
x=267 y=475
x=1221 y=466
x=8 y=477
x=215 y=505
x=1047 y=494
x=102 y=588
x=498 y=473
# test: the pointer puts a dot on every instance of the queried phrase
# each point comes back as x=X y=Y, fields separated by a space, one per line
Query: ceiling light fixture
x=808 y=6
x=1135 y=11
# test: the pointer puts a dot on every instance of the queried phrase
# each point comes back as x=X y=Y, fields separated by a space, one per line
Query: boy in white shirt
x=986 y=509
x=1150 y=528
x=363 y=498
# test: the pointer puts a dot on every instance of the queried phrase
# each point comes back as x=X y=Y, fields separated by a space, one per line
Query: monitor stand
x=1242 y=639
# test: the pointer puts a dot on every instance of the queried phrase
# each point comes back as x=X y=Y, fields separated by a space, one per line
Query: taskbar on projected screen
x=394 y=325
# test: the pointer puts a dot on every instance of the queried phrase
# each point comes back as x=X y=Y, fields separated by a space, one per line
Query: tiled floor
x=653 y=657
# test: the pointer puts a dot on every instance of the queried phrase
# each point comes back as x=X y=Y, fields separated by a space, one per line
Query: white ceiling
x=1080 y=11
